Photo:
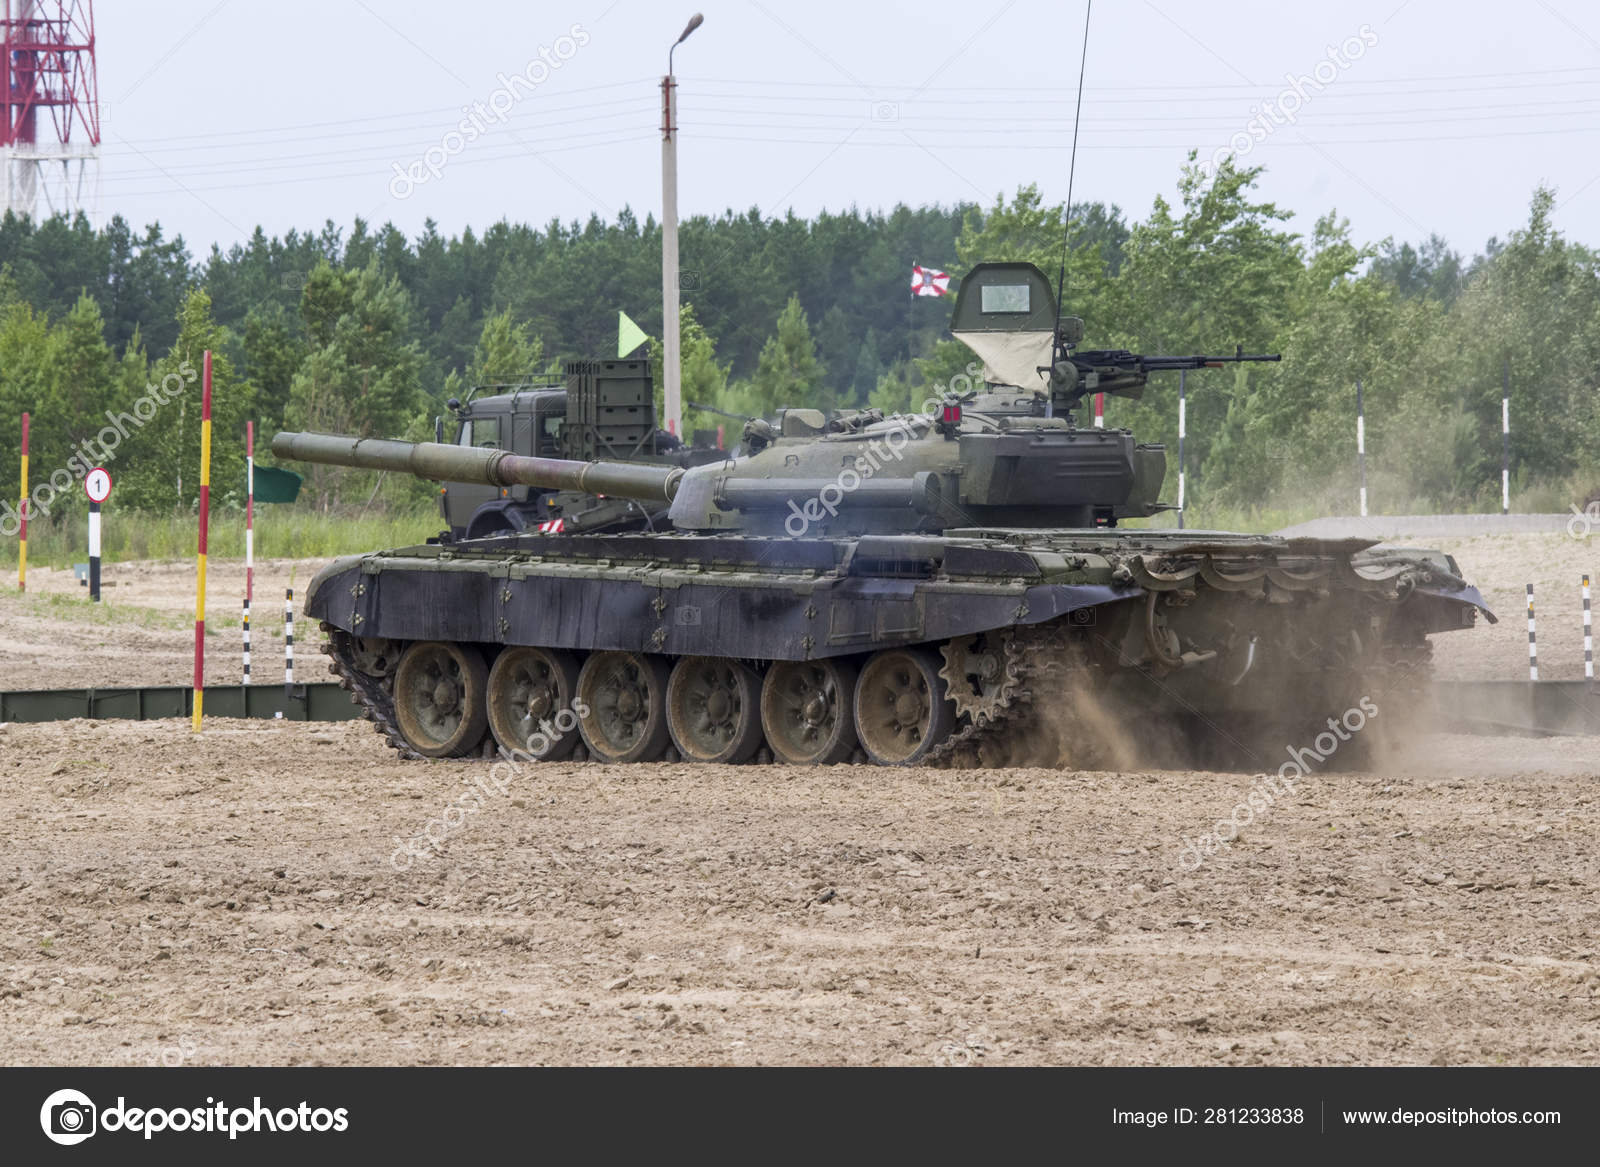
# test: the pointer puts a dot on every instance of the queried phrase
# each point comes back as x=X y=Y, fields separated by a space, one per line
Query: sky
x=1407 y=116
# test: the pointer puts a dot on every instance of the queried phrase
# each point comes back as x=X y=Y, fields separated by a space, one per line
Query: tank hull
x=1023 y=625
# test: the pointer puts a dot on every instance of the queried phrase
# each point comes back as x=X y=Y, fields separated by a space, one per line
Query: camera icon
x=1083 y=617
x=688 y=616
x=68 y=1117
x=885 y=111
x=688 y=280
x=293 y=281
x=1279 y=450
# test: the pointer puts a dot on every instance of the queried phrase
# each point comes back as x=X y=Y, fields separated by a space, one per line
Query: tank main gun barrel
x=444 y=463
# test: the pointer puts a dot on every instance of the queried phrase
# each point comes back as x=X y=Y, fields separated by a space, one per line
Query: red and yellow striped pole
x=22 y=513
x=205 y=517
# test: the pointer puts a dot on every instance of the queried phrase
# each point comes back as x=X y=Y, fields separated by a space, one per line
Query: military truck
x=601 y=410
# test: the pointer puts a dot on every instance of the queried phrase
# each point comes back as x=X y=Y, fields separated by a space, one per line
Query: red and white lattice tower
x=49 y=108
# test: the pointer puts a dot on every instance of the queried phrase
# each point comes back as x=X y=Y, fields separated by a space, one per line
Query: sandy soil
x=1502 y=566
x=142 y=631
x=247 y=896
x=236 y=899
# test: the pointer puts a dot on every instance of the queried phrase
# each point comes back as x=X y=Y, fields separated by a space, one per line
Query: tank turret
x=902 y=474
x=954 y=466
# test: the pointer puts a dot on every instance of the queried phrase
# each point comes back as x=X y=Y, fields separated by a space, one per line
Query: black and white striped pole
x=1183 y=428
x=1588 y=637
x=1505 y=439
x=94 y=552
x=1361 y=444
x=288 y=644
x=1533 y=641
x=97 y=485
x=246 y=627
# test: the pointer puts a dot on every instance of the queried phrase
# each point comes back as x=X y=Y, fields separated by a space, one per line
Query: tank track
x=1040 y=658
x=376 y=701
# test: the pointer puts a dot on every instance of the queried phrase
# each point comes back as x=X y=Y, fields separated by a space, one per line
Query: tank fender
x=317 y=591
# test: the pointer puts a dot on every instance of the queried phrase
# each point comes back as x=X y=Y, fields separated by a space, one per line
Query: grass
x=80 y=607
x=281 y=533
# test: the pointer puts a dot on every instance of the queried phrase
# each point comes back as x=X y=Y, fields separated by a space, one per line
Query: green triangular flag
x=629 y=335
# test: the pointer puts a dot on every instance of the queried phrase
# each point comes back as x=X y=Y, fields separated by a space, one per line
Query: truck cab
x=526 y=420
x=603 y=410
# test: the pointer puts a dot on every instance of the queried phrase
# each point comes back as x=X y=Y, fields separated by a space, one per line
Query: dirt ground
x=270 y=893
x=1502 y=566
x=238 y=898
x=142 y=631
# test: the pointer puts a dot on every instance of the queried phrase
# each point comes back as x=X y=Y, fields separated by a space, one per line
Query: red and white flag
x=925 y=281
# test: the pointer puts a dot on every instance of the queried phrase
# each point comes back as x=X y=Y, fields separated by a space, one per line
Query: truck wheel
x=807 y=713
x=714 y=710
x=622 y=706
x=439 y=700
x=531 y=696
x=902 y=711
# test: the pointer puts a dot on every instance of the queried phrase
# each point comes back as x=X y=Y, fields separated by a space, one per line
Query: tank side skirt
x=804 y=619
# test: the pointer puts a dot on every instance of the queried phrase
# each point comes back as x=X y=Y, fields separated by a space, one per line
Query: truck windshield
x=483 y=432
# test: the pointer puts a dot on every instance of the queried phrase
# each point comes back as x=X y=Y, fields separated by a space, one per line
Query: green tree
x=160 y=459
x=24 y=381
x=361 y=375
x=789 y=373
x=1217 y=272
x=896 y=390
x=273 y=351
x=506 y=353
x=79 y=379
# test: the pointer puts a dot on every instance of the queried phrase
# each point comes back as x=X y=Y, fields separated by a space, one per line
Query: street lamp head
x=695 y=22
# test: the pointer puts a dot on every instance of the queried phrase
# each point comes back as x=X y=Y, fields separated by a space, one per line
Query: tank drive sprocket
x=982 y=674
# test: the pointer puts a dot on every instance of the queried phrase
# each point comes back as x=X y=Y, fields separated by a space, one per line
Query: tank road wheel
x=531 y=695
x=901 y=708
x=807 y=713
x=622 y=706
x=714 y=710
x=439 y=698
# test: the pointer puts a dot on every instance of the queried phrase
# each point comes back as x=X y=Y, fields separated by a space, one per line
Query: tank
x=950 y=587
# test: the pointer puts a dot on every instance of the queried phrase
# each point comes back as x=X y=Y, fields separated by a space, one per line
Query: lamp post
x=671 y=369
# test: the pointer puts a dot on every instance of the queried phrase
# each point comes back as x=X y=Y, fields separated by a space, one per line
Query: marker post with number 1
x=97 y=485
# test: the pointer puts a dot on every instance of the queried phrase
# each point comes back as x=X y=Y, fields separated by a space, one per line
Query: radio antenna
x=1072 y=169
